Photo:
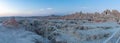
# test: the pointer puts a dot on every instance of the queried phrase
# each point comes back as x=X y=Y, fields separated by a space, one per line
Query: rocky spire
x=107 y=12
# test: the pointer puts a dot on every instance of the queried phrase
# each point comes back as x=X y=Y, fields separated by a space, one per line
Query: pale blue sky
x=47 y=7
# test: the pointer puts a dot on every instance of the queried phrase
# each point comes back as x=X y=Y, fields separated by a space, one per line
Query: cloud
x=46 y=11
x=84 y=7
x=49 y=8
x=37 y=12
x=42 y=9
x=29 y=12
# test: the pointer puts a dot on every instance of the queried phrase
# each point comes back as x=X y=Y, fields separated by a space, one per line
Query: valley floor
x=89 y=33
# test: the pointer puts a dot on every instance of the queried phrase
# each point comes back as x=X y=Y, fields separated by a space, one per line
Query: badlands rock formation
x=75 y=28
